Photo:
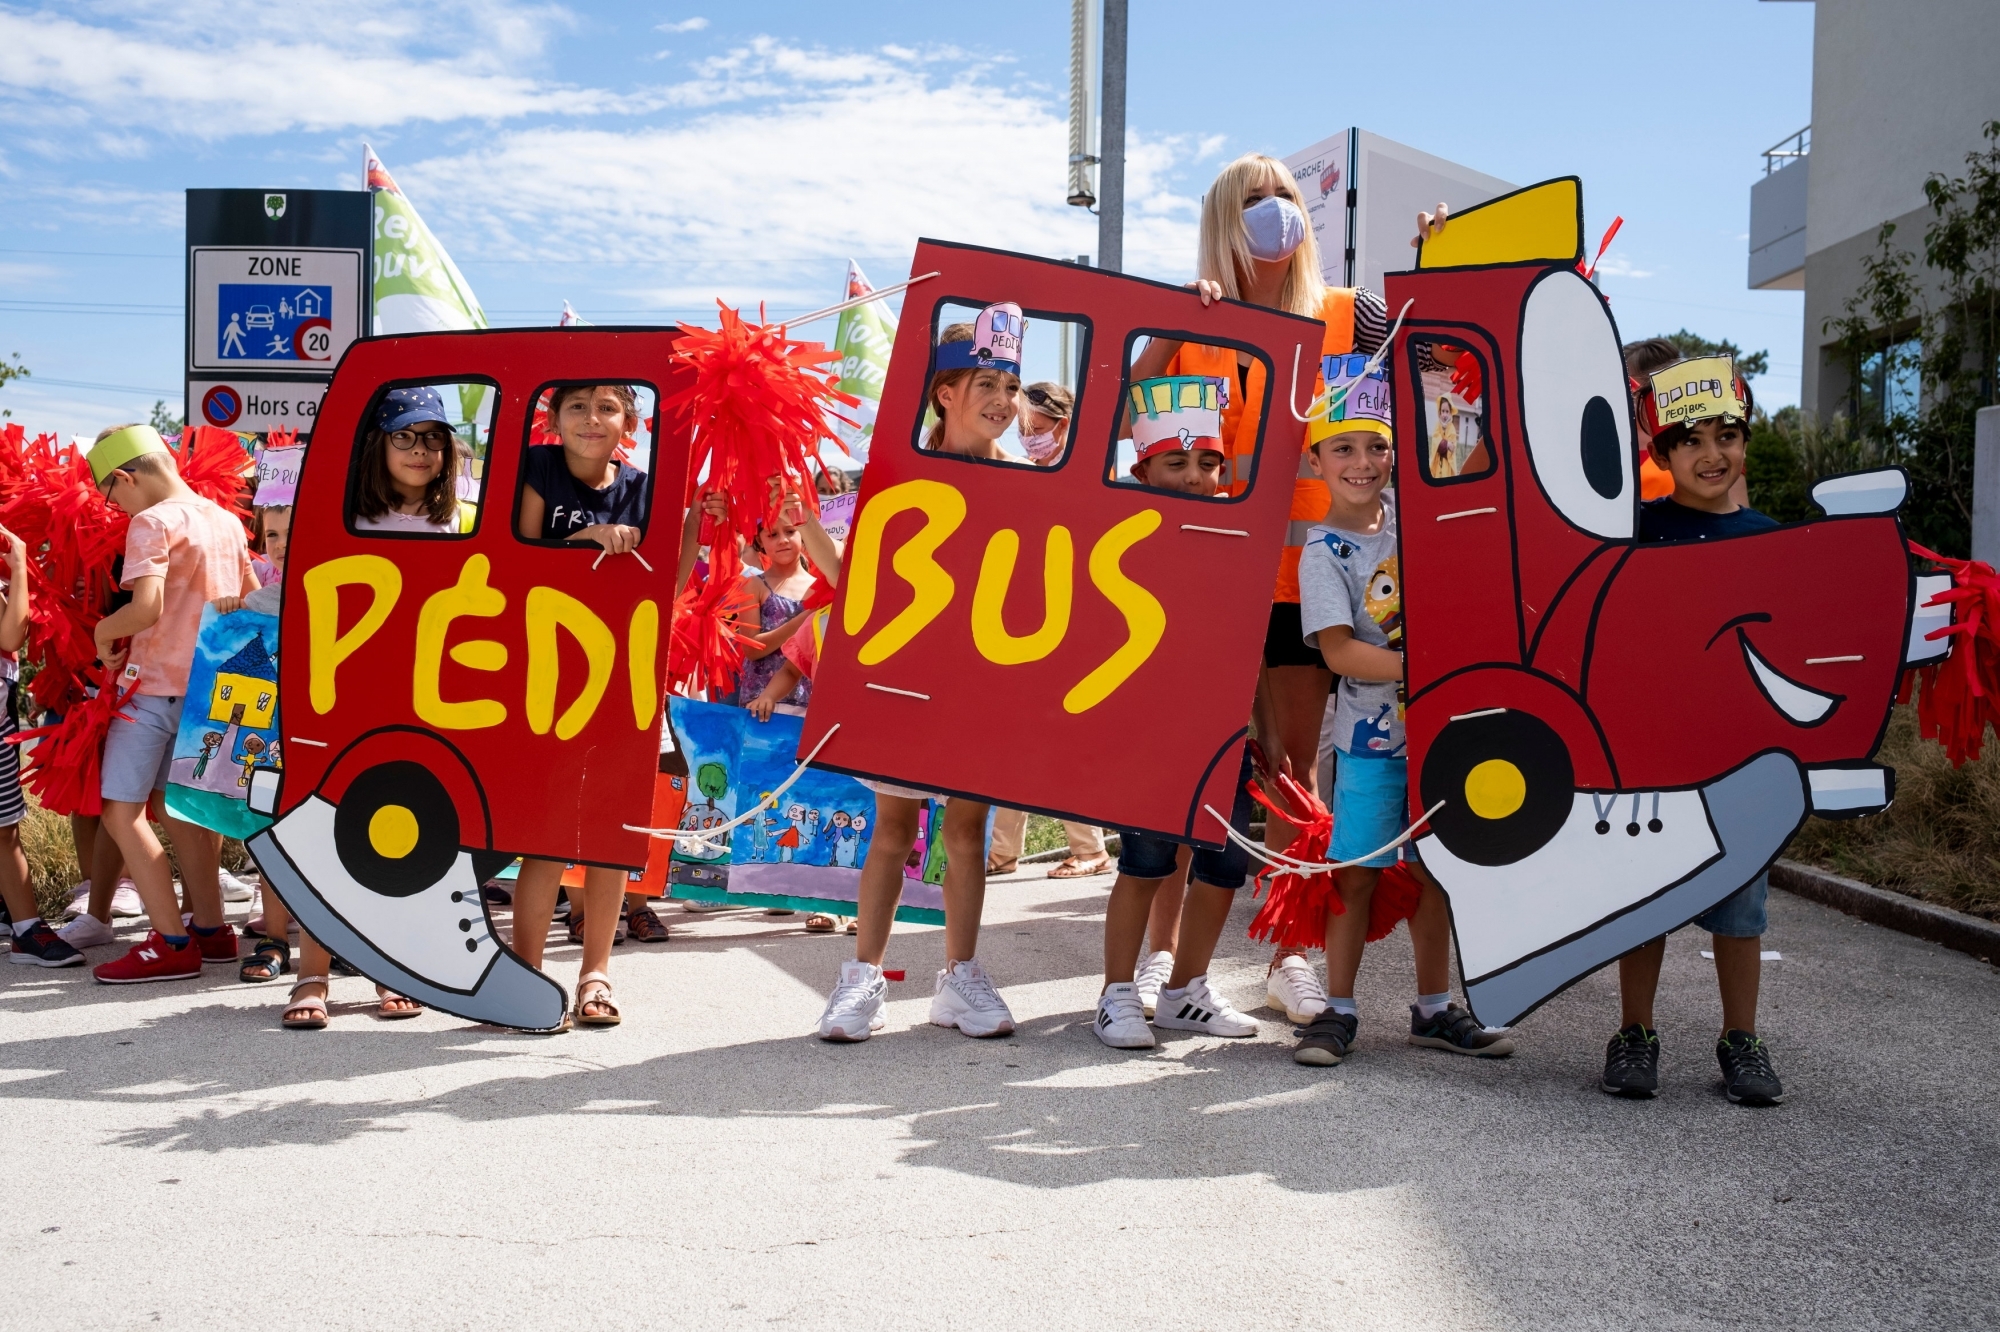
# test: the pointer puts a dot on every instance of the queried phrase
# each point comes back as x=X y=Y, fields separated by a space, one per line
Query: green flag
x=417 y=287
x=863 y=340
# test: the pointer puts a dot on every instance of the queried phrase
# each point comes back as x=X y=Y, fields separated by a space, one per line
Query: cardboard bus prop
x=997 y=620
x=455 y=700
x=1618 y=736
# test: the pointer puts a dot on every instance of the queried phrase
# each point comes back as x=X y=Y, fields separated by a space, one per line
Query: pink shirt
x=802 y=648
x=201 y=552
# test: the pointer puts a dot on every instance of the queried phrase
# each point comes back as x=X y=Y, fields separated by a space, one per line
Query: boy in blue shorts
x=1700 y=438
x=1179 y=449
x=1351 y=609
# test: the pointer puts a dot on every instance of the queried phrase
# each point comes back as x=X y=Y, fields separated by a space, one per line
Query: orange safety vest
x=1240 y=419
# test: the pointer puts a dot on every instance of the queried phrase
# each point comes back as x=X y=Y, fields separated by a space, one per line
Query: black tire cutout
x=1535 y=750
x=413 y=787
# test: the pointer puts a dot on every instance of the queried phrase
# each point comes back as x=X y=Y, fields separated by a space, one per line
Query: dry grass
x=1939 y=841
x=51 y=852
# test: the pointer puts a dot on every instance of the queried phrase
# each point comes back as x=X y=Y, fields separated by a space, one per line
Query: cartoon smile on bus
x=458 y=694
x=1621 y=735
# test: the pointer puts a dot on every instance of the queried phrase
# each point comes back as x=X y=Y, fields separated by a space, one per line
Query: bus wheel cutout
x=396 y=829
x=1506 y=783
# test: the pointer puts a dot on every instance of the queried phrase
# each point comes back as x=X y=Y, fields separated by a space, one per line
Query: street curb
x=1878 y=906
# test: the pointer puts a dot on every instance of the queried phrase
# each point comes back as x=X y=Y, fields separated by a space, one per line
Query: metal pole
x=1081 y=64
x=1111 y=172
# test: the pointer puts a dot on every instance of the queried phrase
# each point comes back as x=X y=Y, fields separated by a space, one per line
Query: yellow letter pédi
x=943 y=508
x=642 y=647
x=548 y=608
x=327 y=646
x=469 y=596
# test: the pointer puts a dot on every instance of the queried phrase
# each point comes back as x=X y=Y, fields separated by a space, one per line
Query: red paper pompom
x=1960 y=696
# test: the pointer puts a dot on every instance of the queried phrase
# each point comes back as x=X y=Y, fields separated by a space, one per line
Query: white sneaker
x=1154 y=972
x=125 y=900
x=1294 y=989
x=967 y=1000
x=854 y=1009
x=233 y=888
x=79 y=905
x=1121 y=1022
x=86 y=931
x=1198 y=1008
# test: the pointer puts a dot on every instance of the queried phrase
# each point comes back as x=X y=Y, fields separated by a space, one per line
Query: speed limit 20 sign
x=271 y=308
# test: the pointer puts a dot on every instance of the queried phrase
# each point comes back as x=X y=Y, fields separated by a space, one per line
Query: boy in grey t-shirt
x=1351 y=610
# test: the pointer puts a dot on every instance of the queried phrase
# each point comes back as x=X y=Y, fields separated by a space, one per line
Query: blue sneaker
x=1458 y=1031
x=43 y=947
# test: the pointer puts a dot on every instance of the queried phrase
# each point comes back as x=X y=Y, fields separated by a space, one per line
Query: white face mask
x=1276 y=227
x=1041 y=447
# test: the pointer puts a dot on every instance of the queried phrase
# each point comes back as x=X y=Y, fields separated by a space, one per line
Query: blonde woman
x=1256 y=246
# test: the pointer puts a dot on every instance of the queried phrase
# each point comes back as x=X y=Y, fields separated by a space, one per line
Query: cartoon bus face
x=459 y=698
x=1616 y=736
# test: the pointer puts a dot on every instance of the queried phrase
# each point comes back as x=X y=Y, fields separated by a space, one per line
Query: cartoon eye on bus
x=1622 y=735
x=456 y=694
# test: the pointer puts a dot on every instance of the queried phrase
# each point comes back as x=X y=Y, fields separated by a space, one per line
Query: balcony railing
x=1788 y=150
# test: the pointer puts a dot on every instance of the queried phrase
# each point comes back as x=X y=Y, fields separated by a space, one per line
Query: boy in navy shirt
x=1700 y=414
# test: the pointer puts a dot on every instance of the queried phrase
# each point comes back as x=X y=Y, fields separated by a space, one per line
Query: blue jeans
x=1740 y=915
x=1145 y=856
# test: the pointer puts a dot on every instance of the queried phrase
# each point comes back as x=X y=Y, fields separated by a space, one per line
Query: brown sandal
x=593 y=991
x=312 y=1011
x=386 y=1009
x=820 y=923
x=1072 y=868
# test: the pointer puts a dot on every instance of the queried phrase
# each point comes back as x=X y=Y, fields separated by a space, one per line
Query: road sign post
x=277 y=288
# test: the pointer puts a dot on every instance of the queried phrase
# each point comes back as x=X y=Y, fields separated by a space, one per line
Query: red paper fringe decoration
x=704 y=647
x=1296 y=906
x=1960 y=695
x=65 y=771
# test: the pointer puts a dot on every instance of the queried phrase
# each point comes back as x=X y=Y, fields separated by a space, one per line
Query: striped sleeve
x=1371 y=321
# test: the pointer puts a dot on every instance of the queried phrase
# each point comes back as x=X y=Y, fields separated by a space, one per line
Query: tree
x=1943 y=334
x=1693 y=344
x=165 y=421
x=11 y=369
x=712 y=780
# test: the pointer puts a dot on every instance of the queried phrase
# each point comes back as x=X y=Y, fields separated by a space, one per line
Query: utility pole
x=1111 y=173
x=1082 y=125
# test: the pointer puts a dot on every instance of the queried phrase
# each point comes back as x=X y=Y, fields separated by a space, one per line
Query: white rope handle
x=704 y=841
x=634 y=554
x=1284 y=864
x=1327 y=400
x=850 y=303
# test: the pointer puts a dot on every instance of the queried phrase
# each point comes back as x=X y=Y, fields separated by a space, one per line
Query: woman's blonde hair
x=1225 y=243
x=943 y=379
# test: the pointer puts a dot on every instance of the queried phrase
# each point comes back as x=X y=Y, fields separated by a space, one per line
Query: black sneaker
x=43 y=947
x=1458 y=1031
x=1747 y=1074
x=1632 y=1063
x=1325 y=1040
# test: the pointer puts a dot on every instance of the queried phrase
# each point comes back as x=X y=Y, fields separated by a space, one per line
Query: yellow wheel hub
x=393 y=832
x=1494 y=789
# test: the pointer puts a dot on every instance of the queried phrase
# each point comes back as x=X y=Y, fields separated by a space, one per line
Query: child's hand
x=1210 y=291
x=614 y=537
x=1429 y=225
x=760 y=707
x=715 y=505
x=17 y=553
x=106 y=649
x=227 y=605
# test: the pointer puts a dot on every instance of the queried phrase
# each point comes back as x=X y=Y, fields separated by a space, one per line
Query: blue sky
x=642 y=160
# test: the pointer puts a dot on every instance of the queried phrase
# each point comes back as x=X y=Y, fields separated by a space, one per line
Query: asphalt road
x=179 y=1160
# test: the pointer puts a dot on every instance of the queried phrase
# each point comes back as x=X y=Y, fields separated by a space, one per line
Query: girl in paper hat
x=974 y=391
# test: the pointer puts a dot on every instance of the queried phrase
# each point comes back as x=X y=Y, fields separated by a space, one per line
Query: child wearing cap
x=1045 y=413
x=181 y=552
x=409 y=469
x=974 y=391
x=1697 y=413
x=1176 y=429
x=1351 y=610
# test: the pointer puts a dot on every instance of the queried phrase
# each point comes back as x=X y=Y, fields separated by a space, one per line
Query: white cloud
x=685 y=25
x=1615 y=264
x=366 y=64
x=798 y=159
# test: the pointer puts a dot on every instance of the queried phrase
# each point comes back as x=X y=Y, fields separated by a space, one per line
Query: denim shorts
x=1146 y=856
x=1371 y=808
x=138 y=753
x=1740 y=915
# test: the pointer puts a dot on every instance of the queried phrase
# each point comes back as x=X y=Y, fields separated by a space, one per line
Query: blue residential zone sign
x=273 y=321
